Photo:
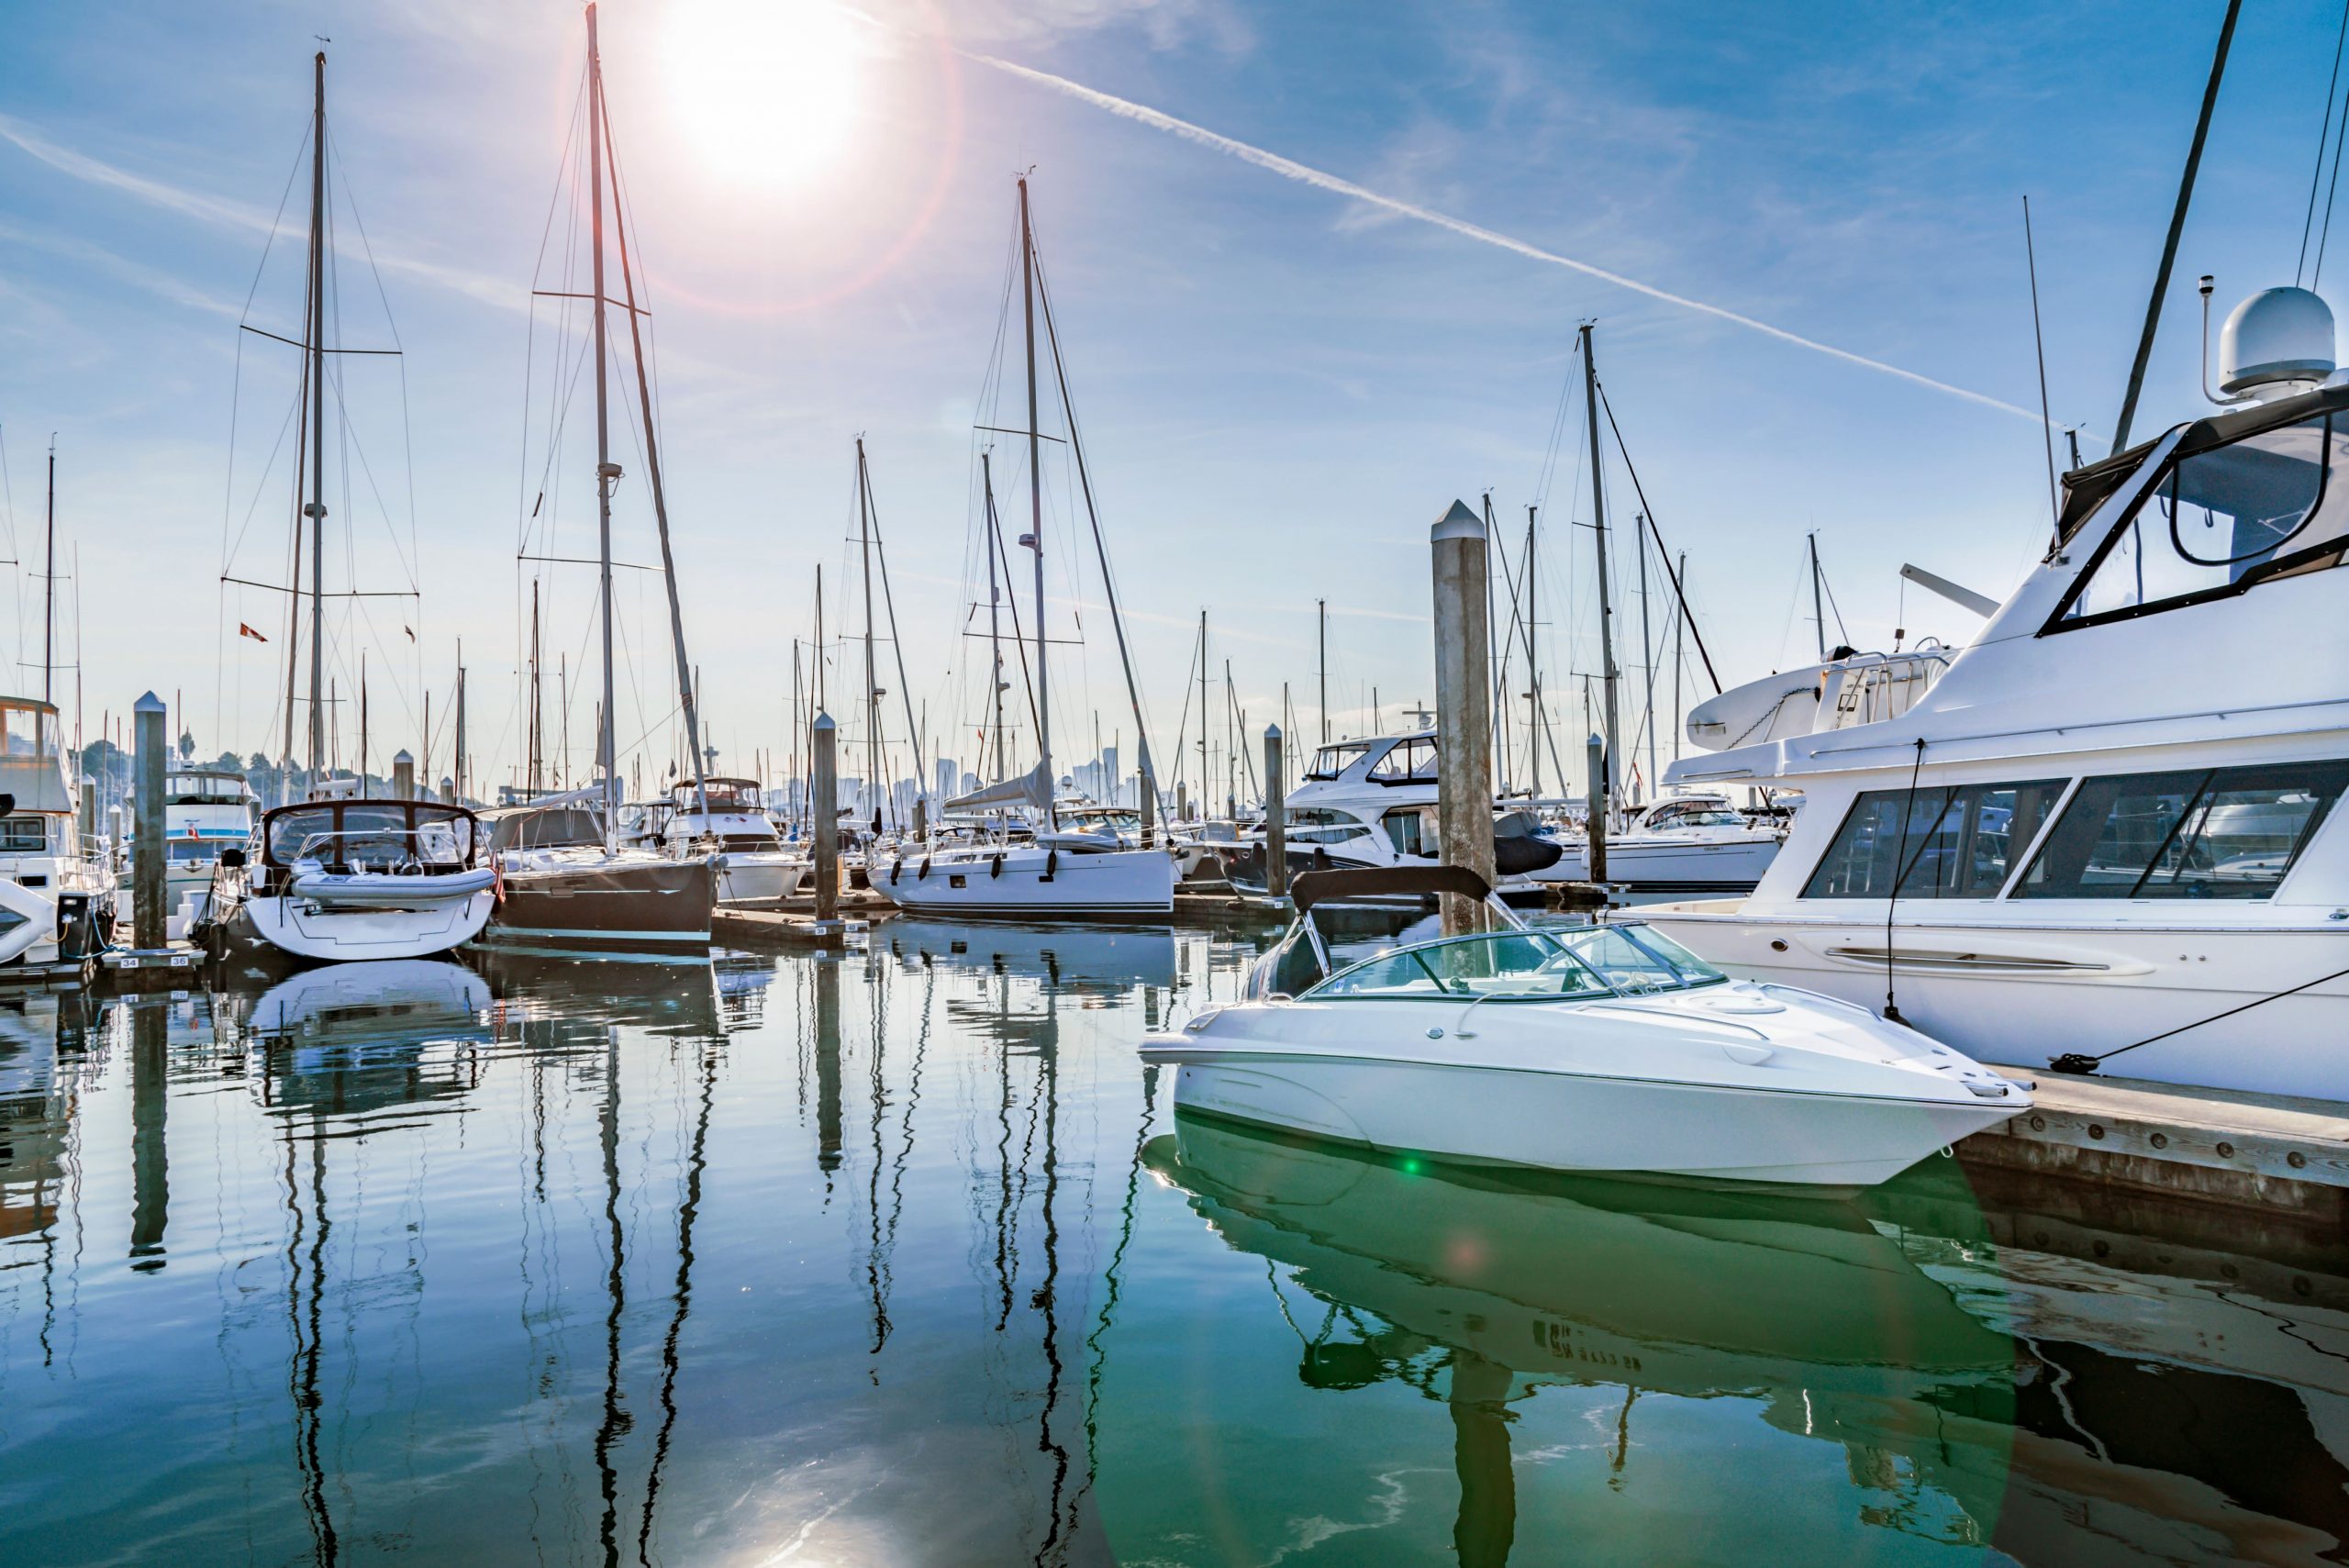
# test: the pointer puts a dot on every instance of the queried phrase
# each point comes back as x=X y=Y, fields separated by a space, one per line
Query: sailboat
x=569 y=884
x=1056 y=873
x=338 y=877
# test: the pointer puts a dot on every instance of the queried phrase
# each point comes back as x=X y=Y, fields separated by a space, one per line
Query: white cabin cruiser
x=727 y=821
x=1371 y=804
x=338 y=880
x=2111 y=826
x=206 y=810
x=1694 y=843
x=56 y=894
x=1602 y=1049
x=1053 y=875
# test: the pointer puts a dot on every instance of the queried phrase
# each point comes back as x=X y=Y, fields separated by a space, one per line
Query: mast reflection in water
x=898 y=1256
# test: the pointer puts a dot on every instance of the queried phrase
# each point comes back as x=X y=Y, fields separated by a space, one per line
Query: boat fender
x=895 y=867
x=1052 y=864
x=922 y=874
x=995 y=866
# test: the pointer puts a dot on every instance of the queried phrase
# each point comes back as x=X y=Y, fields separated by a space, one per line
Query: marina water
x=899 y=1257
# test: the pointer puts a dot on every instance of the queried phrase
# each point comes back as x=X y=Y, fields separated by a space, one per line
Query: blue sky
x=1281 y=386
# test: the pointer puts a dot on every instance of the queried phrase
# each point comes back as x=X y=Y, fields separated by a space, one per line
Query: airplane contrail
x=1304 y=174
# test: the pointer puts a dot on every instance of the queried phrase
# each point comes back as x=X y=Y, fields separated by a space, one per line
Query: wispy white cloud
x=1289 y=169
x=152 y=280
x=222 y=214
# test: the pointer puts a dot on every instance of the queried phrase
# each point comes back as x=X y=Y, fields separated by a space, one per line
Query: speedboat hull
x=1547 y=1121
x=1034 y=884
x=1671 y=863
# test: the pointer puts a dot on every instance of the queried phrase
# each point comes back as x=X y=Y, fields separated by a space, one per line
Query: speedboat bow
x=1607 y=1048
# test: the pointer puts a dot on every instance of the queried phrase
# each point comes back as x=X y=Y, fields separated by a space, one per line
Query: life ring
x=995 y=866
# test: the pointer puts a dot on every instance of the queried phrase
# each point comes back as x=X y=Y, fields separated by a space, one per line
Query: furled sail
x=1033 y=788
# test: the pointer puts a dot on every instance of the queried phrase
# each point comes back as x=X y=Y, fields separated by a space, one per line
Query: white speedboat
x=1605 y=1048
x=726 y=820
x=2114 y=825
x=340 y=879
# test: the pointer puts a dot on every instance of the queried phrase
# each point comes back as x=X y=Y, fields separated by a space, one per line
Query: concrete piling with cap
x=825 y=773
x=1275 y=818
x=1464 y=706
x=147 y=911
x=1595 y=814
x=404 y=776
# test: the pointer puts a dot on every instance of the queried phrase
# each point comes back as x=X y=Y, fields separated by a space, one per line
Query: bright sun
x=767 y=90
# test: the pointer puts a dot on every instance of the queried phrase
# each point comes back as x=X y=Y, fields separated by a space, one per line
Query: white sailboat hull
x=1034 y=884
x=1673 y=863
x=340 y=931
x=745 y=877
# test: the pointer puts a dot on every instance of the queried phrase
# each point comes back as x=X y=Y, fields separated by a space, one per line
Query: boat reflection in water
x=385 y=1033
x=1101 y=962
x=1983 y=1394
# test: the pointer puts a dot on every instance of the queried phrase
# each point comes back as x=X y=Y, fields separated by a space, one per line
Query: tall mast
x=994 y=617
x=1035 y=499
x=607 y=471
x=1818 y=612
x=460 y=757
x=363 y=721
x=537 y=705
x=49 y=584
x=1647 y=646
x=1598 y=521
x=1533 y=668
x=1205 y=782
x=688 y=696
x=316 y=509
x=1321 y=611
x=872 y=683
x=1679 y=636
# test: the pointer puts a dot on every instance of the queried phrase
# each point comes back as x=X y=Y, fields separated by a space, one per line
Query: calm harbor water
x=900 y=1258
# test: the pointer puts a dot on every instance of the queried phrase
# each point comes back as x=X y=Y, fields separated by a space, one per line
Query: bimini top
x=424 y=835
x=1384 y=881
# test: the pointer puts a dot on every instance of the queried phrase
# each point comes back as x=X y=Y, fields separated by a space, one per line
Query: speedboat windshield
x=1598 y=960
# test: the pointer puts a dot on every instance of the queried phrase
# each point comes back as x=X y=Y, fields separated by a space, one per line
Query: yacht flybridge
x=1603 y=1049
x=2111 y=829
x=727 y=818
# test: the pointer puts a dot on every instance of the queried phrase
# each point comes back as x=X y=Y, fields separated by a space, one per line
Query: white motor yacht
x=1372 y=803
x=341 y=880
x=1603 y=1049
x=57 y=894
x=730 y=825
x=2112 y=826
x=1693 y=843
x=1053 y=875
x=206 y=810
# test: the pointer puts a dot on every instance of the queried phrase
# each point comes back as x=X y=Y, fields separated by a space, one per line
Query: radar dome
x=2277 y=342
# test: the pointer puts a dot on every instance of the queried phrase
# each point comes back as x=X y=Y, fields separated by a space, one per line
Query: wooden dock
x=2272 y=1153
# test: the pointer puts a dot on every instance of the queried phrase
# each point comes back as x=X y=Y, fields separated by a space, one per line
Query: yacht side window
x=1331 y=762
x=2220 y=522
x=24 y=834
x=1946 y=841
x=2197 y=833
x=1406 y=829
x=1406 y=762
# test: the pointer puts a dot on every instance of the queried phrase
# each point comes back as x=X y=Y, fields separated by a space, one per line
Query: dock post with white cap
x=1463 y=708
x=147 y=911
x=1275 y=818
x=825 y=810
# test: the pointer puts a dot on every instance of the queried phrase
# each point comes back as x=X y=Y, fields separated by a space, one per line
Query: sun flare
x=768 y=91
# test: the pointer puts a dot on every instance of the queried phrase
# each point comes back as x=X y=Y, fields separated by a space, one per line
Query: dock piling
x=1275 y=818
x=1595 y=809
x=147 y=911
x=825 y=779
x=404 y=776
x=1464 y=707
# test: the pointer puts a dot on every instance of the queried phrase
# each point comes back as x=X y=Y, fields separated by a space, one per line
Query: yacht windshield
x=1332 y=761
x=1541 y=964
x=2220 y=521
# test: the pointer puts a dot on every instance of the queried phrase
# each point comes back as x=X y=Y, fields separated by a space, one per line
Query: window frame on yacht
x=2213 y=779
x=2331 y=414
x=9 y=844
x=2061 y=787
x=1409 y=749
x=1349 y=751
x=1669 y=956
